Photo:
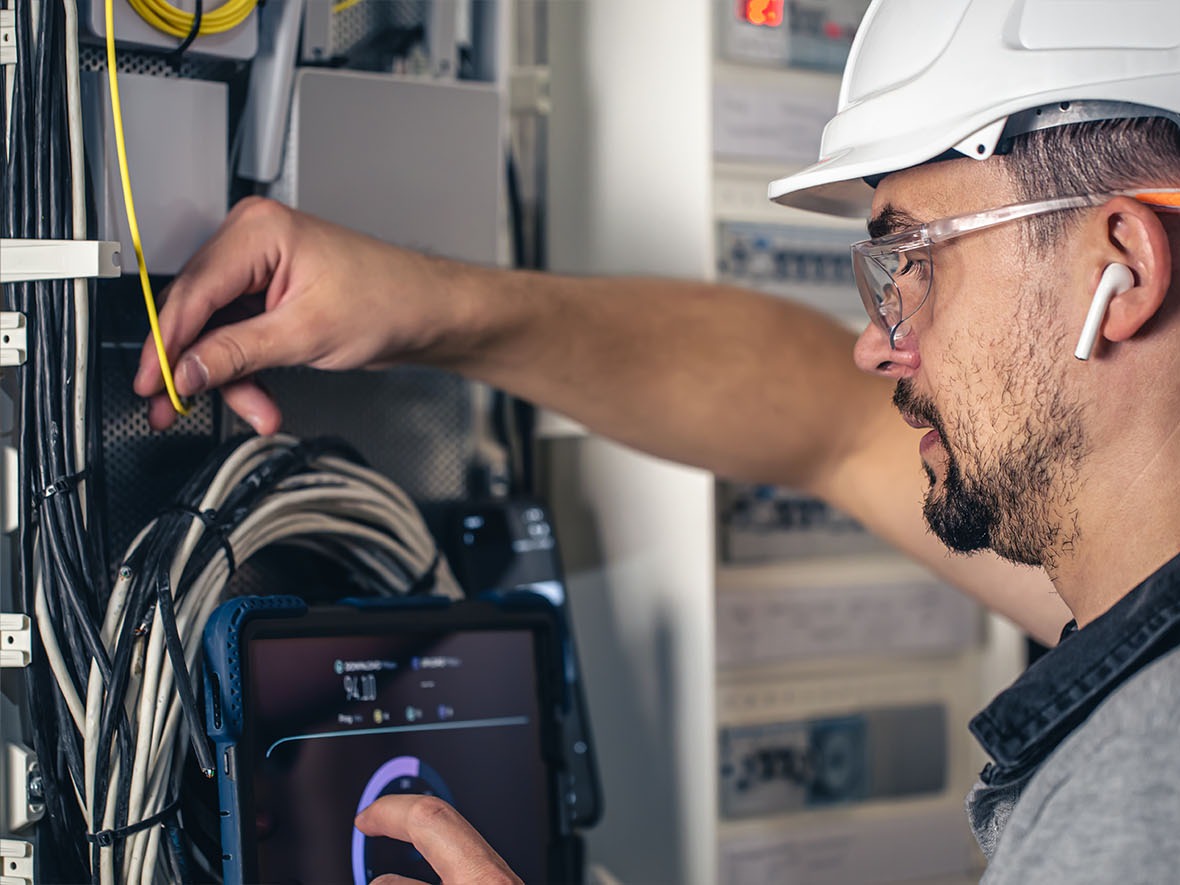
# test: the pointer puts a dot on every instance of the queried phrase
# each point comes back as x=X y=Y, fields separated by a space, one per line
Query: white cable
x=246 y=540
x=78 y=209
x=106 y=855
x=148 y=710
x=330 y=505
x=57 y=662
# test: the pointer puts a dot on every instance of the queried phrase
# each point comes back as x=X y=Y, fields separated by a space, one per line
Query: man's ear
x=1135 y=236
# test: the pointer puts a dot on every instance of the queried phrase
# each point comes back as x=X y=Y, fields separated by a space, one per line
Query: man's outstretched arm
x=746 y=385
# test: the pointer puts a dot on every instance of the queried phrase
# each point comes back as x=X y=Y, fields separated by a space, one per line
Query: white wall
x=629 y=185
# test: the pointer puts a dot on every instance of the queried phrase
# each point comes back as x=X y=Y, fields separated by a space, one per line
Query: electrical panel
x=789 y=33
x=761 y=522
x=808 y=264
x=884 y=753
x=845 y=673
x=845 y=608
x=848 y=775
x=412 y=149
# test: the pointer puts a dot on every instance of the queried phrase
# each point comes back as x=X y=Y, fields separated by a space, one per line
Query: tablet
x=316 y=713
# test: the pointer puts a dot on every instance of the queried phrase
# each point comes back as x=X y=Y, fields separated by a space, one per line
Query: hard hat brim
x=837 y=185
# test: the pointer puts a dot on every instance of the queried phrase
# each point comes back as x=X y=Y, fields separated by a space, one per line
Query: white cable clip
x=27 y=260
x=16 y=640
x=26 y=804
x=7 y=37
x=16 y=862
x=529 y=92
x=13 y=338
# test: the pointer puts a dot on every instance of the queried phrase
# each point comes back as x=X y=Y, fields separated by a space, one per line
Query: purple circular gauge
x=402 y=774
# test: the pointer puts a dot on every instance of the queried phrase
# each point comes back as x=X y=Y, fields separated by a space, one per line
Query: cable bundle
x=135 y=719
x=165 y=17
x=60 y=556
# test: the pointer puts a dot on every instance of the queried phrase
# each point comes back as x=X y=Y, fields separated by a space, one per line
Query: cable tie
x=146 y=623
x=107 y=838
x=62 y=486
x=213 y=522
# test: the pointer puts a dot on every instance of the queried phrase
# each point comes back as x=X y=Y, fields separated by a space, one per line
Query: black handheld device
x=318 y=712
x=509 y=547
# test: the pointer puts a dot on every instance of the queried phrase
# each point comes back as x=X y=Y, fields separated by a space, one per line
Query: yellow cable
x=165 y=17
x=124 y=175
x=342 y=5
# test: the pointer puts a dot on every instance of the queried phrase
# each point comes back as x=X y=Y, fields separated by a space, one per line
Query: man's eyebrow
x=890 y=220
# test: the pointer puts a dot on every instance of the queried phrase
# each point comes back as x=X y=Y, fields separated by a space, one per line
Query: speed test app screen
x=333 y=723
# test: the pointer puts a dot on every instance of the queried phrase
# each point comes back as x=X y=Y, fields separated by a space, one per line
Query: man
x=1019 y=162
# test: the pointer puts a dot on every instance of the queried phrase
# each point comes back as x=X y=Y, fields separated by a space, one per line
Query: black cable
x=193 y=32
x=24 y=193
x=42 y=212
x=115 y=694
x=183 y=680
x=55 y=541
x=181 y=872
x=515 y=213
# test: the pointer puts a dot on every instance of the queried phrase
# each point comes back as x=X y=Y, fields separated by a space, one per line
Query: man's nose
x=874 y=355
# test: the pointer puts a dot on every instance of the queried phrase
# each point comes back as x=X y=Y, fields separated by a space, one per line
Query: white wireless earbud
x=1116 y=279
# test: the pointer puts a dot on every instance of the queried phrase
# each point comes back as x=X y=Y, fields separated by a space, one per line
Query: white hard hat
x=927 y=77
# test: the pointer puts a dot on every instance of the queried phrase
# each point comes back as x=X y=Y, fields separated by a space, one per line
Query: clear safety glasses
x=895 y=273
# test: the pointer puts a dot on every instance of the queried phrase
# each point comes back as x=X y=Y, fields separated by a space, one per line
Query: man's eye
x=919 y=269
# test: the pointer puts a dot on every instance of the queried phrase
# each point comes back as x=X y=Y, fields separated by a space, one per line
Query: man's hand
x=324 y=296
x=450 y=845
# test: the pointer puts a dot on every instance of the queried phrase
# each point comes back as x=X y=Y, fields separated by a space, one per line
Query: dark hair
x=1097 y=157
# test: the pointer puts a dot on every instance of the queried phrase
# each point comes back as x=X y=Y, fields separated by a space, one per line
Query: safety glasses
x=895 y=273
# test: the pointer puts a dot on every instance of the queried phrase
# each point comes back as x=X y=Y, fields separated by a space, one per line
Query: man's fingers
x=232 y=353
x=239 y=259
x=246 y=398
x=255 y=406
x=450 y=845
x=392 y=879
x=161 y=415
x=179 y=328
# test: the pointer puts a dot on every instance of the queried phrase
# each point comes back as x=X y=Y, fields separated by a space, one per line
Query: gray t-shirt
x=1105 y=805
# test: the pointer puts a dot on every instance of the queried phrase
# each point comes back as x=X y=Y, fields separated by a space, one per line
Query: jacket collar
x=1025 y=723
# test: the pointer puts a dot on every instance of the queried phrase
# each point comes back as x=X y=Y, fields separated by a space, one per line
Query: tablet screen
x=333 y=722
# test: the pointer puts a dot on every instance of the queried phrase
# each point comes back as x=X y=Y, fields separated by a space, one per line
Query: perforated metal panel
x=94 y=58
x=144 y=469
x=414 y=425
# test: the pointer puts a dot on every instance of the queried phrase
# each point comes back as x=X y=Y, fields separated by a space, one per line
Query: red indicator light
x=768 y=13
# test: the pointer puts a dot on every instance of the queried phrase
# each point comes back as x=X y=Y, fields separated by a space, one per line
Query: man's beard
x=1005 y=505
